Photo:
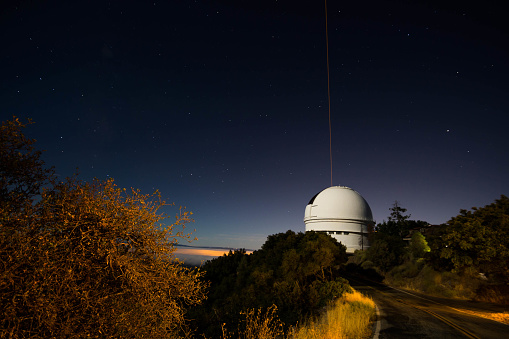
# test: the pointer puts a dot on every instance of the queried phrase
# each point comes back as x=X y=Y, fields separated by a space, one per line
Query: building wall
x=351 y=233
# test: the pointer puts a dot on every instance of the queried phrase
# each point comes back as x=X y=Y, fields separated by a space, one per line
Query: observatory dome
x=343 y=213
x=338 y=202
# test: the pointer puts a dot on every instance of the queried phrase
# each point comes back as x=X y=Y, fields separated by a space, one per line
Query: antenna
x=328 y=91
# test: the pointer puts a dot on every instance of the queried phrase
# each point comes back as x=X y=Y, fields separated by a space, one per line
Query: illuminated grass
x=348 y=317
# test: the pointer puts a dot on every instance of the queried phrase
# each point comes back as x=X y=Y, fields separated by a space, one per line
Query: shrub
x=87 y=259
x=298 y=272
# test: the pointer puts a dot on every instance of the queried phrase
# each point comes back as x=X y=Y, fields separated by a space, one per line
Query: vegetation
x=388 y=248
x=418 y=246
x=88 y=259
x=349 y=316
x=386 y=252
x=346 y=317
x=468 y=257
x=298 y=272
x=420 y=277
x=21 y=169
x=85 y=259
x=398 y=224
x=258 y=325
x=477 y=241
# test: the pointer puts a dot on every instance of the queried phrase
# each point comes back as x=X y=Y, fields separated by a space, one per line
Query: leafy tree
x=434 y=258
x=386 y=251
x=418 y=245
x=298 y=272
x=387 y=246
x=86 y=259
x=478 y=240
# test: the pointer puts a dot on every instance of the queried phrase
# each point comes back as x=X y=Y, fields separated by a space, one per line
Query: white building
x=343 y=213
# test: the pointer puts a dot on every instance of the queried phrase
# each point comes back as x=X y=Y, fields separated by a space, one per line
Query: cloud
x=199 y=255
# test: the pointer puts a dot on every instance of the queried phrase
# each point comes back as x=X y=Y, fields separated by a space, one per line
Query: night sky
x=222 y=105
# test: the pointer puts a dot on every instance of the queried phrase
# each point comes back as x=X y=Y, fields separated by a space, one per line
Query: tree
x=387 y=246
x=298 y=272
x=478 y=240
x=22 y=172
x=87 y=259
x=386 y=251
x=399 y=224
x=418 y=245
x=397 y=215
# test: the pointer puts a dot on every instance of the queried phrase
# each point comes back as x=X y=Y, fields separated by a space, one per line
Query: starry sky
x=222 y=105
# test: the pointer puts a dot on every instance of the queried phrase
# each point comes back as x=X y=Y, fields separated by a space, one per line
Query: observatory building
x=343 y=213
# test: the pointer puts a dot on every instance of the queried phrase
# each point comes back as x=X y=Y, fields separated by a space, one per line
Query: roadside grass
x=422 y=278
x=493 y=293
x=347 y=317
x=419 y=277
x=258 y=324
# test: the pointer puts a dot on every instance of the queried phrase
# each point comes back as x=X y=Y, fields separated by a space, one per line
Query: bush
x=386 y=252
x=298 y=272
x=86 y=259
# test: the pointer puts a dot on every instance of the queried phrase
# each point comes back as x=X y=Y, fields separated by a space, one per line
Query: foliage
x=86 y=259
x=396 y=224
x=399 y=224
x=418 y=245
x=420 y=277
x=387 y=248
x=494 y=293
x=447 y=263
x=298 y=272
x=22 y=172
x=346 y=317
x=434 y=258
x=386 y=251
x=397 y=213
x=258 y=324
x=400 y=229
x=478 y=240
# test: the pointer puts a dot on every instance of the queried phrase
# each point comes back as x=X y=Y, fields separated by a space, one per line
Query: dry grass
x=426 y=280
x=258 y=325
x=493 y=293
x=347 y=317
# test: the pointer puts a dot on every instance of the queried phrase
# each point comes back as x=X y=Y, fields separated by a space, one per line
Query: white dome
x=342 y=213
x=338 y=202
